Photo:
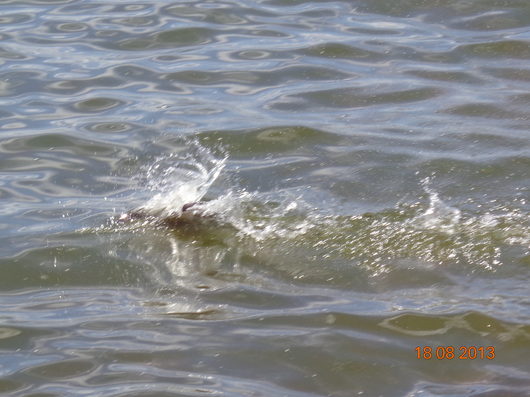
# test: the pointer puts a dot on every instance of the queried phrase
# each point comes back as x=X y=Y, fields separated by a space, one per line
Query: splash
x=438 y=216
x=428 y=234
x=176 y=179
x=283 y=232
x=180 y=178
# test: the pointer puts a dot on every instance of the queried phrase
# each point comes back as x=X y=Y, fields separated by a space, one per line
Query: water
x=363 y=172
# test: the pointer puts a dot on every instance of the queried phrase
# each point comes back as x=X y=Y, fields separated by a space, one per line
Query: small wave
x=284 y=232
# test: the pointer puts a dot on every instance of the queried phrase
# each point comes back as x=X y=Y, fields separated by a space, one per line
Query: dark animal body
x=191 y=223
x=190 y=216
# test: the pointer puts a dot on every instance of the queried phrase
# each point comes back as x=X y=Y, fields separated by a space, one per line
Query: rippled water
x=364 y=170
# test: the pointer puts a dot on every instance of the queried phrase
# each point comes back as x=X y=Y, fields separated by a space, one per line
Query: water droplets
x=277 y=229
x=438 y=216
x=180 y=178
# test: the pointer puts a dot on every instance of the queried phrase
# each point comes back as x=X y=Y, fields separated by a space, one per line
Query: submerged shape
x=189 y=215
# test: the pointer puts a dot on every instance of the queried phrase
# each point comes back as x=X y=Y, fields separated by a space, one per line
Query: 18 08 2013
x=458 y=353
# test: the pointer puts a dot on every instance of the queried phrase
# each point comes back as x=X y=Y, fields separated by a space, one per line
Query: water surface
x=364 y=167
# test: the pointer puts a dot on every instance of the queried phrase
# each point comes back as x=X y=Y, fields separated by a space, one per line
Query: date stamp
x=455 y=353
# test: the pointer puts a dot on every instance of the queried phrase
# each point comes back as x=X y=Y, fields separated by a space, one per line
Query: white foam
x=180 y=178
x=439 y=215
x=176 y=179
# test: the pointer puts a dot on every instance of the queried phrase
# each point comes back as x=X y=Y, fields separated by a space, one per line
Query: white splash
x=180 y=178
x=176 y=179
x=439 y=215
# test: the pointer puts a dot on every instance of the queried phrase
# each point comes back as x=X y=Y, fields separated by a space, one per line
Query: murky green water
x=364 y=168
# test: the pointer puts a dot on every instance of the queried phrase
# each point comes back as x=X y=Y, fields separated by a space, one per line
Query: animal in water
x=190 y=216
x=192 y=223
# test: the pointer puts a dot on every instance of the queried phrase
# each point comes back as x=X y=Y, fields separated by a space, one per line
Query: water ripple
x=374 y=196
